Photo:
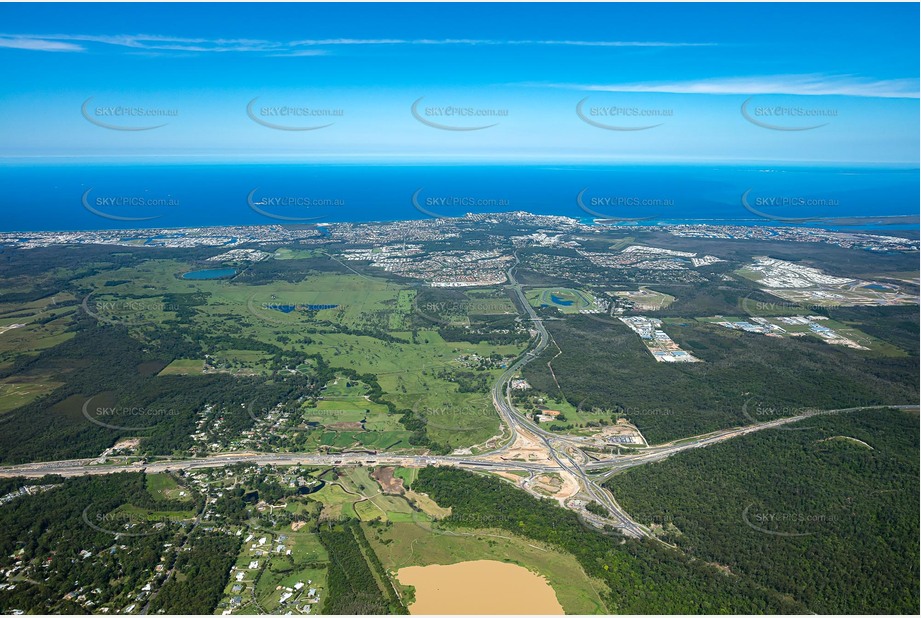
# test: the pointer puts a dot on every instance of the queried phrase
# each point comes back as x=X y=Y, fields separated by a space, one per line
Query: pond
x=479 y=587
x=211 y=273
x=290 y=308
x=561 y=301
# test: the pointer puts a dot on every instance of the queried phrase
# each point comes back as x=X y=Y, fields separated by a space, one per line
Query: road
x=88 y=466
x=555 y=445
x=662 y=451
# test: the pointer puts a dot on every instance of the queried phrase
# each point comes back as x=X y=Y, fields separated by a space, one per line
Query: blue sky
x=818 y=82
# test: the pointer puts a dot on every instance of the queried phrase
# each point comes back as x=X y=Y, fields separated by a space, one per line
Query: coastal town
x=553 y=230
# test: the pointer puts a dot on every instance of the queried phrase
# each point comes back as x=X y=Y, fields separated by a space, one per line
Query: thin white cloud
x=72 y=42
x=810 y=84
x=299 y=53
x=616 y=43
x=318 y=42
x=39 y=45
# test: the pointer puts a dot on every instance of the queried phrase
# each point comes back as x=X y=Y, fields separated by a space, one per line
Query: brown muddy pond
x=479 y=587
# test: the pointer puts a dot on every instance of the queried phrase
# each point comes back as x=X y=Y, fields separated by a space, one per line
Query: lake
x=479 y=587
x=212 y=273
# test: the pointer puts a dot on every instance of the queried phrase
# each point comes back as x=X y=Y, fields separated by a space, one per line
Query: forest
x=200 y=575
x=351 y=584
x=61 y=554
x=104 y=361
x=825 y=511
x=605 y=365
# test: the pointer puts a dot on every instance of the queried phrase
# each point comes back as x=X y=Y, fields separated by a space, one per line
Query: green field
x=367 y=330
x=183 y=367
x=351 y=491
x=408 y=475
x=646 y=299
x=46 y=322
x=19 y=390
x=336 y=501
x=295 y=254
x=258 y=590
x=165 y=487
x=566 y=300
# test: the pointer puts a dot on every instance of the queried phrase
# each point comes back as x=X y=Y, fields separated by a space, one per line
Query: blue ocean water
x=120 y=196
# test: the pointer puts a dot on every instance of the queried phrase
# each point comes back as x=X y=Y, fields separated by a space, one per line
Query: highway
x=554 y=444
x=659 y=452
x=89 y=466
x=562 y=460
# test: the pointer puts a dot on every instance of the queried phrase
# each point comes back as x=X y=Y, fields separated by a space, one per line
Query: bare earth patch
x=345 y=426
x=389 y=483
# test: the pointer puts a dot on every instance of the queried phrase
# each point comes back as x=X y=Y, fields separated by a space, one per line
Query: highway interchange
x=563 y=453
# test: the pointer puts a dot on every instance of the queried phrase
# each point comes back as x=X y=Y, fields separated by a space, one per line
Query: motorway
x=89 y=466
x=661 y=451
x=555 y=445
x=562 y=452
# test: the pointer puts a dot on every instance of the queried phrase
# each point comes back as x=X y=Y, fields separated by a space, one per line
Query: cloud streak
x=143 y=42
x=487 y=42
x=35 y=44
x=808 y=85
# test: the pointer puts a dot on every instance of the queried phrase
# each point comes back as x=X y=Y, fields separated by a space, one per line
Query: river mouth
x=479 y=587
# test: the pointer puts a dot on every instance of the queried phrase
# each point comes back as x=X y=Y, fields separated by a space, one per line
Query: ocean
x=71 y=196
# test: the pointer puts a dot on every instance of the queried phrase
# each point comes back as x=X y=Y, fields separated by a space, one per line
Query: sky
x=506 y=83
